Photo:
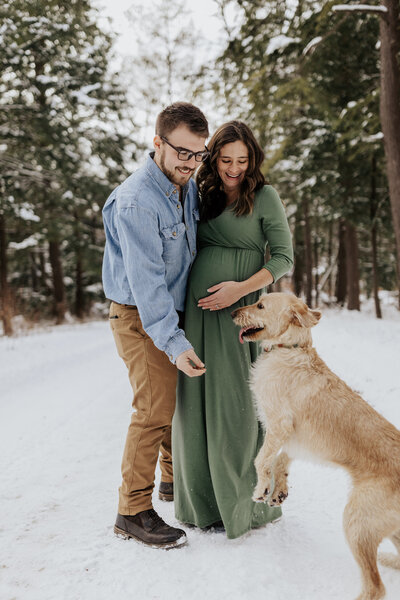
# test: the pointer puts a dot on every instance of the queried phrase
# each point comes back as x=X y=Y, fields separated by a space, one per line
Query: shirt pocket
x=173 y=239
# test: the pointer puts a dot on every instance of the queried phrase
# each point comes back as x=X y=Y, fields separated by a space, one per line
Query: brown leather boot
x=166 y=491
x=148 y=528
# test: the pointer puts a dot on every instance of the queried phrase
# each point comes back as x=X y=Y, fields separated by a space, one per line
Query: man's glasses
x=185 y=154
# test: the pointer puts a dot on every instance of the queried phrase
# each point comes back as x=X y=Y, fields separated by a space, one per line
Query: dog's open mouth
x=247 y=332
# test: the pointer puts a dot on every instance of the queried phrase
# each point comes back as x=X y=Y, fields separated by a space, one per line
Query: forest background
x=318 y=82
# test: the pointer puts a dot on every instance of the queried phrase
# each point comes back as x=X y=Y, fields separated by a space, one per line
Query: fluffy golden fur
x=307 y=410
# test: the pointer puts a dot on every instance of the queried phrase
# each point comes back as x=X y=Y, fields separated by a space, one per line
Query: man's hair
x=181 y=113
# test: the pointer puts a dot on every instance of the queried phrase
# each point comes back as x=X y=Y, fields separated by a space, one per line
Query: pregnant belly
x=215 y=264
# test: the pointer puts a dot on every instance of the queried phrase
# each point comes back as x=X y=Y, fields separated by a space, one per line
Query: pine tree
x=308 y=84
x=66 y=130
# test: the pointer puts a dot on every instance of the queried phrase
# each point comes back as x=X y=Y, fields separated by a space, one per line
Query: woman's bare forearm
x=256 y=282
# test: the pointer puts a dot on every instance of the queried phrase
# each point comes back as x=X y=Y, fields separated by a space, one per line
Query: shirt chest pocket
x=174 y=241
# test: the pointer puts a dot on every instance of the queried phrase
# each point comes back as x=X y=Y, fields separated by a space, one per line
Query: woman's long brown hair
x=212 y=196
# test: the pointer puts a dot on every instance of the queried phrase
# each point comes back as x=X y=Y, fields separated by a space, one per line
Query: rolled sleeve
x=277 y=234
x=142 y=253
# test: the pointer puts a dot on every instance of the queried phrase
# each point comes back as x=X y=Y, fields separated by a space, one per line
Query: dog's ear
x=302 y=316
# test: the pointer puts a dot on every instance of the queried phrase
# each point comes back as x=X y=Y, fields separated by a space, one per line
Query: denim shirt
x=149 y=251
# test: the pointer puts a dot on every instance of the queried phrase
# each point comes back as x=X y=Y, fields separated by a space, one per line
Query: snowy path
x=64 y=410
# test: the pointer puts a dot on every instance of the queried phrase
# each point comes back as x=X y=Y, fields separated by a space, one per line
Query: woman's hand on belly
x=222 y=295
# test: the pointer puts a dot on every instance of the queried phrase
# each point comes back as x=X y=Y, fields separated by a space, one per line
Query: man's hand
x=185 y=362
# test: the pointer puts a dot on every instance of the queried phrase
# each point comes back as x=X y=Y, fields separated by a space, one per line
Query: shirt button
x=171 y=357
x=174 y=192
x=174 y=233
x=178 y=206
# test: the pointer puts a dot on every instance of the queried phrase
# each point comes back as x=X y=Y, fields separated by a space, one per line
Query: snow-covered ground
x=64 y=410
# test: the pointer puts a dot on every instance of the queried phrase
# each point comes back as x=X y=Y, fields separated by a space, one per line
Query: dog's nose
x=233 y=313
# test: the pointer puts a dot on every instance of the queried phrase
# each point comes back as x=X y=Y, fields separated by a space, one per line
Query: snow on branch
x=83 y=97
x=26 y=243
x=365 y=8
x=314 y=42
x=280 y=42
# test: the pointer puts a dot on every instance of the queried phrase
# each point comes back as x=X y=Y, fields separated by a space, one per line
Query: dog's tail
x=389 y=560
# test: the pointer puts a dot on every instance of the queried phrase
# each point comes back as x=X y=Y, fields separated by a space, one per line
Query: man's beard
x=174 y=176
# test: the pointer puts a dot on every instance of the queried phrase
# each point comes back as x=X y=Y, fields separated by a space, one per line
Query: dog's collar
x=280 y=346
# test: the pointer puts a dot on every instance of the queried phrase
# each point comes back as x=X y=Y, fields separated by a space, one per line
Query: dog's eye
x=260 y=305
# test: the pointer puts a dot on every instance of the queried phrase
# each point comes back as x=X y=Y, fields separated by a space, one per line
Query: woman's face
x=232 y=164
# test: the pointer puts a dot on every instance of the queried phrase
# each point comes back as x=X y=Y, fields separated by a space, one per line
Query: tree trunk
x=316 y=262
x=58 y=283
x=352 y=271
x=42 y=271
x=374 y=244
x=374 y=247
x=307 y=252
x=390 y=110
x=79 y=294
x=330 y=258
x=34 y=271
x=341 y=276
x=298 y=273
x=5 y=290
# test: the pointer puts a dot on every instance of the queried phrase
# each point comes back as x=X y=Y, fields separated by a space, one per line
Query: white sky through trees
x=209 y=31
x=203 y=12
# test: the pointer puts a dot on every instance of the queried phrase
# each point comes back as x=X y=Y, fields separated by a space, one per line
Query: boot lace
x=157 y=520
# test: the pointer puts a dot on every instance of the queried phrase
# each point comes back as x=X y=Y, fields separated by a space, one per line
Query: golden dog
x=307 y=409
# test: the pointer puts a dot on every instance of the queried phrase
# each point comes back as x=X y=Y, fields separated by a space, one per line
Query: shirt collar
x=165 y=184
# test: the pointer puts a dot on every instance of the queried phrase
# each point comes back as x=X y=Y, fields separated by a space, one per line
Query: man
x=150 y=226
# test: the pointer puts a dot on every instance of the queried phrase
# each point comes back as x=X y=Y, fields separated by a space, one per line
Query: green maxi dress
x=216 y=435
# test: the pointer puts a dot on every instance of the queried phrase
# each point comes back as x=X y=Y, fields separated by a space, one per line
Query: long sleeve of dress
x=276 y=231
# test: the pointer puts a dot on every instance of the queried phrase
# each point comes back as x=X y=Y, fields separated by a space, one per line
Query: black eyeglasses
x=185 y=154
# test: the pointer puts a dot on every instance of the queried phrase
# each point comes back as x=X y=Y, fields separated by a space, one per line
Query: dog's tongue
x=241 y=332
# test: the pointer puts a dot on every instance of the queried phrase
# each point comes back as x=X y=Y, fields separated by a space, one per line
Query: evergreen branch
x=15 y=165
x=312 y=46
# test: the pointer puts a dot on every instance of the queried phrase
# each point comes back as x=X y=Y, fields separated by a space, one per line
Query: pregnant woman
x=216 y=435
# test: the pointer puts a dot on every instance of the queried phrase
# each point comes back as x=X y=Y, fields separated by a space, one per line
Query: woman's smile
x=232 y=164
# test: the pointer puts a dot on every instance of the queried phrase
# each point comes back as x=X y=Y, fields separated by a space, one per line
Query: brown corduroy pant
x=153 y=379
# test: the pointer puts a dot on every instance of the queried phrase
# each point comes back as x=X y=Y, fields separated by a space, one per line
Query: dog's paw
x=376 y=594
x=260 y=493
x=262 y=498
x=278 y=498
